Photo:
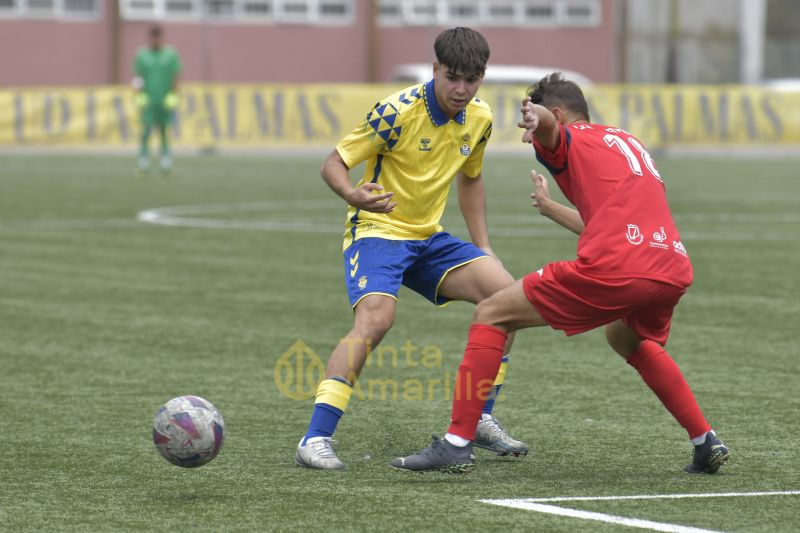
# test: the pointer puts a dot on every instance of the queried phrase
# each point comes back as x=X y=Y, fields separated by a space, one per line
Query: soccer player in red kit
x=631 y=270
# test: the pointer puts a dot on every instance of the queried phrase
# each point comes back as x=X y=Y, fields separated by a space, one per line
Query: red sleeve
x=555 y=161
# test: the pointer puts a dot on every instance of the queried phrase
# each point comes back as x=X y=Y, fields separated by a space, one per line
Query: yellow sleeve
x=474 y=165
x=361 y=144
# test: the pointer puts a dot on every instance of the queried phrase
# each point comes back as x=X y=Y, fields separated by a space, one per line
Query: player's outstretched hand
x=541 y=191
x=363 y=198
x=529 y=122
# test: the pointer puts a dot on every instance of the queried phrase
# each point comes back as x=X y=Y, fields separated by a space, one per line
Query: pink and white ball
x=188 y=431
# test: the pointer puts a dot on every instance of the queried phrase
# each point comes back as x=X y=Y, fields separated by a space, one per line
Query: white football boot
x=317 y=453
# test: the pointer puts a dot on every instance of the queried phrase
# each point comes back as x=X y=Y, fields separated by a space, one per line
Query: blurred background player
x=414 y=142
x=156 y=70
x=631 y=270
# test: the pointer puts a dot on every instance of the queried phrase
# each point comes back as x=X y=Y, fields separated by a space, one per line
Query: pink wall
x=257 y=53
x=39 y=52
x=80 y=53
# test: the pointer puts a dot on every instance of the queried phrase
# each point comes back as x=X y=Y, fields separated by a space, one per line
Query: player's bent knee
x=375 y=325
x=485 y=313
x=621 y=339
x=376 y=328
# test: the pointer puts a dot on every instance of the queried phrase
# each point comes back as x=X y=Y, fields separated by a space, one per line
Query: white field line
x=508 y=226
x=656 y=496
x=288 y=216
x=536 y=504
x=602 y=517
x=176 y=216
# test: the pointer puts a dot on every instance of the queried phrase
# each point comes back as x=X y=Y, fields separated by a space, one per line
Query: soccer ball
x=188 y=431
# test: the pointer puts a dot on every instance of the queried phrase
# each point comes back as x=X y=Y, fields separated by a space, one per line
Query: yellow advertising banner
x=275 y=116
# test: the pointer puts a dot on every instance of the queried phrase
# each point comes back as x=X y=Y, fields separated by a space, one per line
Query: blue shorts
x=379 y=266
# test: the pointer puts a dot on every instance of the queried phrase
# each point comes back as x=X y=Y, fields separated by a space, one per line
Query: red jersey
x=612 y=181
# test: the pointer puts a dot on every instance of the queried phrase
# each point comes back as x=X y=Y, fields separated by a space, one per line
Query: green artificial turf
x=103 y=318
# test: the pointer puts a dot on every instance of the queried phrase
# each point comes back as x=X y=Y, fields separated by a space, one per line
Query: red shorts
x=573 y=302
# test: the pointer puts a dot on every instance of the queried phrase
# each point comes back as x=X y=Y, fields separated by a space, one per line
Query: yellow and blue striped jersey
x=413 y=149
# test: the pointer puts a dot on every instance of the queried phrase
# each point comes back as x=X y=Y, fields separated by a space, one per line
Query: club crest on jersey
x=465 y=149
x=362 y=282
x=634 y=235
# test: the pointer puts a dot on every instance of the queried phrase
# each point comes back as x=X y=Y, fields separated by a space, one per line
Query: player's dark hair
x=462 y=50
x=555 y=91
x=154 y=31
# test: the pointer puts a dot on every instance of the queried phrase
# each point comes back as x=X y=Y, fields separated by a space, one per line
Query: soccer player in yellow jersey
x=414 y=143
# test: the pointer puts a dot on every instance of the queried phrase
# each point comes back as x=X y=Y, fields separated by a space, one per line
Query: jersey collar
x=438 y=117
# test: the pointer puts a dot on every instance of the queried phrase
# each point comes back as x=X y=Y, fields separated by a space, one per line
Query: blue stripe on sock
x=489 y=405
x=323 y=421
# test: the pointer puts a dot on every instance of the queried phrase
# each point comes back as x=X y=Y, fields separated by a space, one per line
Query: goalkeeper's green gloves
x=171 y=101
x=142 y=99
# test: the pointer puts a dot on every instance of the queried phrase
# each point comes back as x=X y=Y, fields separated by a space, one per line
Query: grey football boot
x=440 y=456
x=491 y=436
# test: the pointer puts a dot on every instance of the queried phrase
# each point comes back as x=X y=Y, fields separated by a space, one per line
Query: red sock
x=664 y=377
x=475 y=378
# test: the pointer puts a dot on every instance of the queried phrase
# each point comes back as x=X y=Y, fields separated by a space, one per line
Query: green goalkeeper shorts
x=155 y=114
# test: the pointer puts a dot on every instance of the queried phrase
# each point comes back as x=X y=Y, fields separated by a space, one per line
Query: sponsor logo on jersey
x=660 y=236
x=680 y=248
x=424 y=145
x=634 y=235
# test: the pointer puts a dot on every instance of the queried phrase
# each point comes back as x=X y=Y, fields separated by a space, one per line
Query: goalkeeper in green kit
x=156 y=70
